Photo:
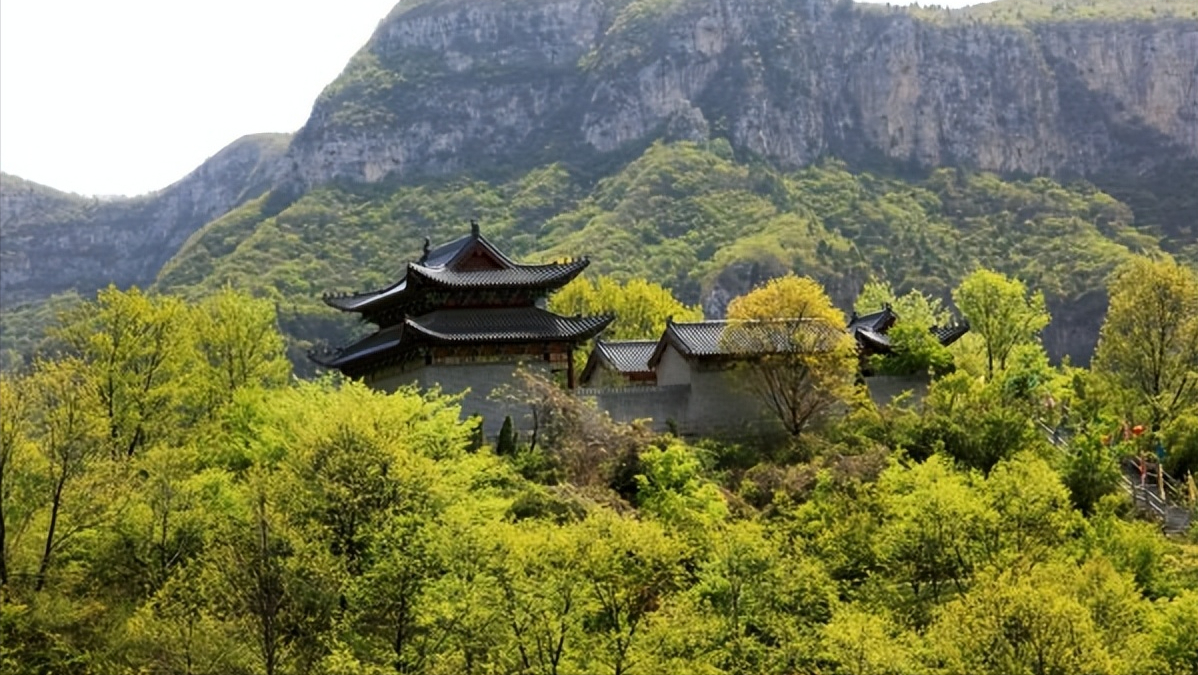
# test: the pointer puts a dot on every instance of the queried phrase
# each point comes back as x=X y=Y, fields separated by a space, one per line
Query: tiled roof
x=878 y=341
x=434 y=269
x=746 y=338
x=464 y=326
x=878 y=322
x=516 y=324
x=951 y=333
x=627 y=356
x=446 y=253
x=520 y=275
x=374 y=344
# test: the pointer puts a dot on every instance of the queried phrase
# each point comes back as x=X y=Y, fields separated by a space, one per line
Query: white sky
x=127 y=96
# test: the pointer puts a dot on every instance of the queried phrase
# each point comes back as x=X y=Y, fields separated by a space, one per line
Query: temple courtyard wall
x=477 y=380
x=696 y=402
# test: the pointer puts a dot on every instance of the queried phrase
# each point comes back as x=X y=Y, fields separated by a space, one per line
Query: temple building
x=464 y=316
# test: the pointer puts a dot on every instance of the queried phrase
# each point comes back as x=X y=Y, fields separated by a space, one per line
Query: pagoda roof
x=467 y=263
x=877 y=322
x=738 y=339
x=871 y=330
x=424 y=276
x=511 y=325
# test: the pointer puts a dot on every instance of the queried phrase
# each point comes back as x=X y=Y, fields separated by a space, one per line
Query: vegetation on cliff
x=692 y=218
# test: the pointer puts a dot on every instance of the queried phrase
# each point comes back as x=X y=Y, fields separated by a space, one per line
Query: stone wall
x=711 y=402
x=665 y=406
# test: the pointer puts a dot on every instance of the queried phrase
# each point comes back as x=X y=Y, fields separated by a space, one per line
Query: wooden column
x=570 y=368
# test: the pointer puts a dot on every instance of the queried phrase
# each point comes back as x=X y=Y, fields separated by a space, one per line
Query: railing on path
x=1144 y=487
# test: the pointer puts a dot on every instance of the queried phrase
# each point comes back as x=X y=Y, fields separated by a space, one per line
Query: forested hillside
x=173 y=502
x=690 y=217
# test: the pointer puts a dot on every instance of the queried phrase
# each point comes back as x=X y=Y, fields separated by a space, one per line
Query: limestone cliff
x=443 y=87
x=51 y=241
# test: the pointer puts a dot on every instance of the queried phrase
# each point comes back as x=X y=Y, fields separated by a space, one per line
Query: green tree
x=799 y=361
x=1149 y=341
x=238 y=338
x=1174 y=634
x=933 y=537
x=14 y=450
x=67 y=417
x=870 y=642
x=916 y=348
x=506 y=444
x=1017 y=622
x=629 y=567
x=1000 y=310
x=136 y=348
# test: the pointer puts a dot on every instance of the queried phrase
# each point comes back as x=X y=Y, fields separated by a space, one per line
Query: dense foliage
x=172 y=503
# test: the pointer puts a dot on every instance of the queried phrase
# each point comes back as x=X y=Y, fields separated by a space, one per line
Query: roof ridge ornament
x=427 y=247
x=474 y=228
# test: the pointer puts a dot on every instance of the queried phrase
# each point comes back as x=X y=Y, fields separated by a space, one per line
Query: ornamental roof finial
x=427 y=246
x=473 y=227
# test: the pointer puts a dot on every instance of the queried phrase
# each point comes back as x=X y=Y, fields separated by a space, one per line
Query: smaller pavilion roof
x=877 y=322
x=732 y=338
x=950 y=333
x=623 y=356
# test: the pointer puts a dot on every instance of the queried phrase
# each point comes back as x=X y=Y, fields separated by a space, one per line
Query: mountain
x=55 y=241
x=707 y=145
x=443 y=86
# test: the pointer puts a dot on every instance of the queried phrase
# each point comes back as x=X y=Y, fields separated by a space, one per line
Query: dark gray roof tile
x=627 y=356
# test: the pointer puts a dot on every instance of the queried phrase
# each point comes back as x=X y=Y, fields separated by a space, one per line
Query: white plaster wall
x=719 y=402
x=673 y=368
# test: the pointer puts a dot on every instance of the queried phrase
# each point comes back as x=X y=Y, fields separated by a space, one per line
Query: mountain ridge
x=472 y=103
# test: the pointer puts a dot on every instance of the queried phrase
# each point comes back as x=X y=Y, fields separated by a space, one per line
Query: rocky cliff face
x=443 y=86
x=54 y=241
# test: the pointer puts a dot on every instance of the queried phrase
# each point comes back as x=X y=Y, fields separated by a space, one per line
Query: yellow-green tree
x=1149 y=342
x=236 y=335
x=1001 y=310
x=137 y=352
x=798 y=359
x=640 y=307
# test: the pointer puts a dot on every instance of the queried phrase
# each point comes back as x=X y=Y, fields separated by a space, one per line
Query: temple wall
x=663 y=405
x=701 y=400
x=718 y=402
x=479 y=378
x=708 y=402
x=672 y=368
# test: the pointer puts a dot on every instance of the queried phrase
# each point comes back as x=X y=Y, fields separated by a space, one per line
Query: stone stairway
x=1173 y=515
x=1145 y=492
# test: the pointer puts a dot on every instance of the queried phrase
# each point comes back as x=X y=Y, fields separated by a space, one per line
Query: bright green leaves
x=916 y=349
x=1149 y=342
x=1001 y=311
x=641 y=308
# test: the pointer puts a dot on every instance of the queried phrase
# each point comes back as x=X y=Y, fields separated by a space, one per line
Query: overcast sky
x=127 y=96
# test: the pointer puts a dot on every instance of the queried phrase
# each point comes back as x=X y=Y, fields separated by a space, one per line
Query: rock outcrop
x=53 y=241
x=444 y=86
